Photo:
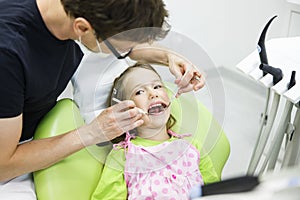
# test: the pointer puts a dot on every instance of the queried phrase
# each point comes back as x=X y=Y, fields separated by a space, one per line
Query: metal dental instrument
x=174 y=92
x=139 y=109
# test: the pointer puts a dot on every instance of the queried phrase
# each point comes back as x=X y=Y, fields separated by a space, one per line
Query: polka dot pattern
x=162 y=174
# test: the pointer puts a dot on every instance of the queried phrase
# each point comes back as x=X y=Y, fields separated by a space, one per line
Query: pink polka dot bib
x=165 y=171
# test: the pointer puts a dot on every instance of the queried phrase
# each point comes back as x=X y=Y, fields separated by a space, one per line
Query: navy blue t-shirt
x=35 y=67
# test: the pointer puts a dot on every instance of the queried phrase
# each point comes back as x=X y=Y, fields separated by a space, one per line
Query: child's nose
x=153 y=94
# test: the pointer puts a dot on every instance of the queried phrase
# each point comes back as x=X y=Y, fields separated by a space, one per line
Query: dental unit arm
x=277 y=76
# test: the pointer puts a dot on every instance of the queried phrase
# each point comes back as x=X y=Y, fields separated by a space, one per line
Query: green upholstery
x=77 y=176
x=74 y=177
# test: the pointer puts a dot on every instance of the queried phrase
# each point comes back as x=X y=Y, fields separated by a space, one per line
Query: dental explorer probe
x=139 y=109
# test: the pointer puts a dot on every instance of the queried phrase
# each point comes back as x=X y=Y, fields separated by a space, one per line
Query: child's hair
x=118 y=93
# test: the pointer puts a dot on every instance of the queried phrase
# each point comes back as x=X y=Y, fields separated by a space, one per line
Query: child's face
x=145 y=88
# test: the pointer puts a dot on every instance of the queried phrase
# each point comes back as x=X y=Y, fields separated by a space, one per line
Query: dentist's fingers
x=131 y=123
x=129 y=111
x=128 y=118
x=186 y=74
x=191 y=81
x=198 y=81
x=127 y=115
x=195 y=84
x=185 y=79
x=176 y=66
x=111 y=123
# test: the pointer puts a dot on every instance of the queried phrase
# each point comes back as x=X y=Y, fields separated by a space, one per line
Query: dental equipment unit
x=282 y=83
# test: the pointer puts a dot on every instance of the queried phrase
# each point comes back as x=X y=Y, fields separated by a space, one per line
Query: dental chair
x=76 y=177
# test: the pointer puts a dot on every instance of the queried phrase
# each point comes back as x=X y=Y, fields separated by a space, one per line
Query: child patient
x=150 y=162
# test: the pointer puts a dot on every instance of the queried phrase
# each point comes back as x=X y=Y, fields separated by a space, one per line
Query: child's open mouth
x=157 y=108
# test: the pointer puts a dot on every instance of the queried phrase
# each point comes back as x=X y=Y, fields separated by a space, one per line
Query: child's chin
x=160 y=119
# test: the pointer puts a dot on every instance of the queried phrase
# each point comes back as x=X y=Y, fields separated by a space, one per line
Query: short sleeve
x=112 y=185
x=208 y=171
x=11 y=84
x=206 y=168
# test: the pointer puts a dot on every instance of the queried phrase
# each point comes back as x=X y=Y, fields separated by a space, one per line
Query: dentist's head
x=121 y=24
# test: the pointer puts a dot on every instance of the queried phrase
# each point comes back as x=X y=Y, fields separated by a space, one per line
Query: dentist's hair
x=111 y=17
x=118 y=92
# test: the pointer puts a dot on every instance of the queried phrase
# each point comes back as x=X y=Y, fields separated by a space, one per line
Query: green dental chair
x=76 y=177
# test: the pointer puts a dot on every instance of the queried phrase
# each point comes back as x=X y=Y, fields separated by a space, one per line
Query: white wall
x=229 y=30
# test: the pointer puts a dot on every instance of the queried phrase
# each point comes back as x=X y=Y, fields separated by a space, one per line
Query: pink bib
x=165 y=171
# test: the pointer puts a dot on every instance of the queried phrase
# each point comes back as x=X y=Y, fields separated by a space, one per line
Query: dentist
x=38 y=57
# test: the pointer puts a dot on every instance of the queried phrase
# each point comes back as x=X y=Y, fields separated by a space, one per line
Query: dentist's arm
x=17 y=159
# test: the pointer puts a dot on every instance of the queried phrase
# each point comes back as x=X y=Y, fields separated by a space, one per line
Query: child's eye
x=157 y=86
x=139 y=92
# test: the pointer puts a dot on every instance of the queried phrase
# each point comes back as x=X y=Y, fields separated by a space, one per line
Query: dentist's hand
x=188 y=78
x=111 y=123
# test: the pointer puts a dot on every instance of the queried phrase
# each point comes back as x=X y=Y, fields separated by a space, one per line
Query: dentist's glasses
x=119 y=55
x=115 y=52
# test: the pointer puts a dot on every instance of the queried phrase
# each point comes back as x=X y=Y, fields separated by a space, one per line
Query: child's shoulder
x=116 y=158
